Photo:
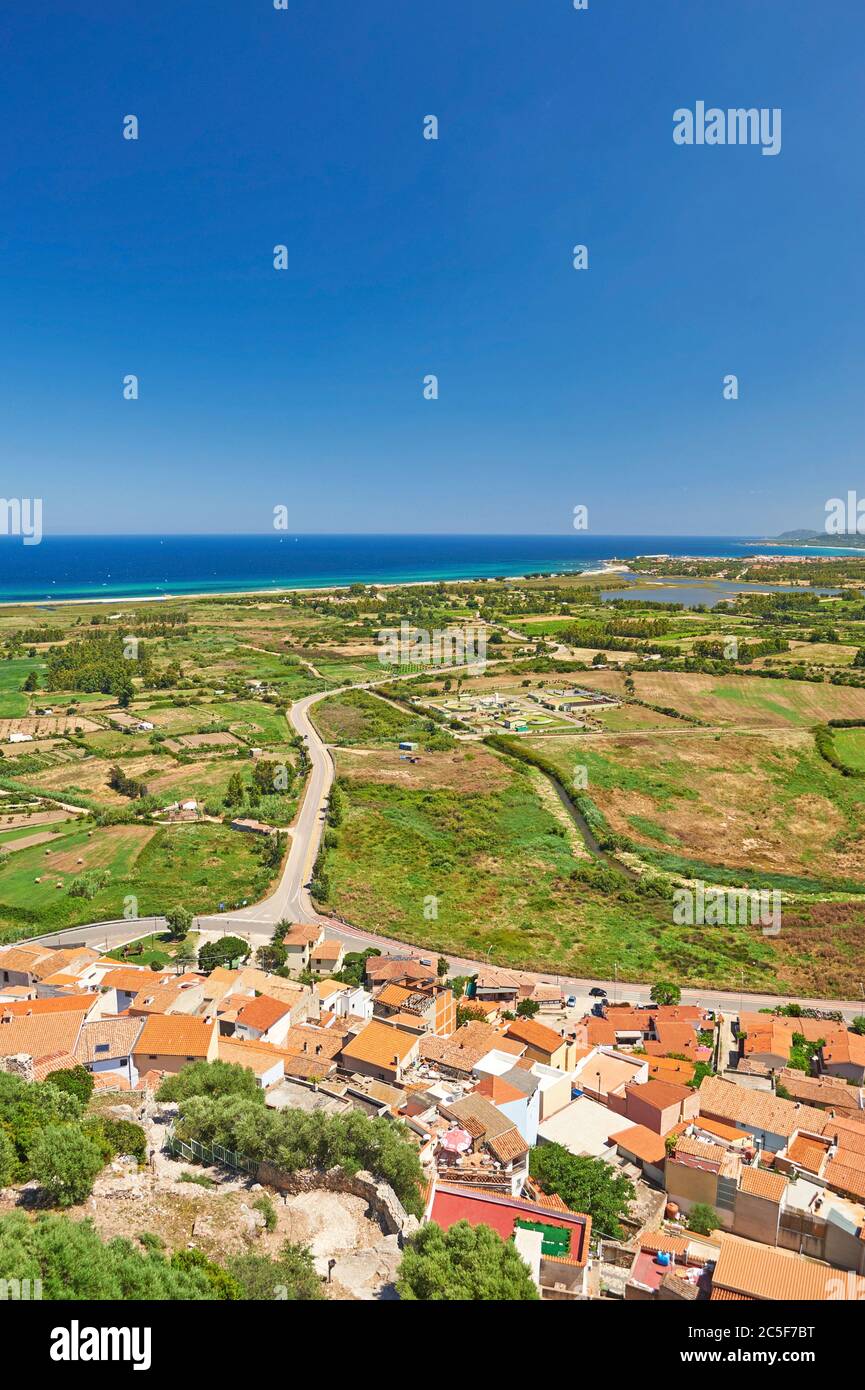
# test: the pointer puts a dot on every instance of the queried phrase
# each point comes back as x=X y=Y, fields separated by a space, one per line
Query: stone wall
x=19 y=1065
x=383 y=1202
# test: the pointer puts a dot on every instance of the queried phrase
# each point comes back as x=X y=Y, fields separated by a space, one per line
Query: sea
x=137 y=567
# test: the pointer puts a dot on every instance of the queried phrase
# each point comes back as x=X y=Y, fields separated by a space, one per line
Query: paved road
x=290 y=901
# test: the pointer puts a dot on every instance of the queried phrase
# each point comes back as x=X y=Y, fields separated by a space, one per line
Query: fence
x=194 y=1152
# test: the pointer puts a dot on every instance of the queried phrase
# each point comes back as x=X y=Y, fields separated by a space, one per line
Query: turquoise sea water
x=114 y=567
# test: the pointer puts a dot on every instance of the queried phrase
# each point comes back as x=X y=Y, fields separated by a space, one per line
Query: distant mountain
x=850 y=540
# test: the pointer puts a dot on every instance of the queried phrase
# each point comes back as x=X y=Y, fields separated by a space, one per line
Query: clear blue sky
x=410 y=257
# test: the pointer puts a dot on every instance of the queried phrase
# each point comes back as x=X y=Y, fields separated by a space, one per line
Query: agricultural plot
x=765 y=805
x=195 y=865
x=356 y=718
x=743 y=700
x=460 y=854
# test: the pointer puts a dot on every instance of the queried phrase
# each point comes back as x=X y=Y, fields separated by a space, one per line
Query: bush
x=290 y=1277
x=77 y=1081
x=65 y=1161
x=268 y=1211
x=703 y=1219
x=8 y=1159
x=74 y=1263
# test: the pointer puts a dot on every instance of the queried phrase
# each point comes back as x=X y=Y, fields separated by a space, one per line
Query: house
x=327 y=956
x=747 y=1270
x=766 y=1117
x=431 y=1006
x=844 y=1057
x=125 y=982
x=298 y=943
x=107 y=1046
x=560 y=1263
x=491 y=1132
x=171 y=1042
x=502 y=986
x=583 y=1128
x=543 y=1044
x=643 y=1148
x=263 y=1019
x=19 y=738
x=266 y=1065
x=660 y=1105
x=385 y=969
x=382 y=1051
x=829 y=1092
x=344 y=1000
x=459 y=1054
x=605 y=1074
x=37 y=1036
x=518 y=1097
x=20 y=965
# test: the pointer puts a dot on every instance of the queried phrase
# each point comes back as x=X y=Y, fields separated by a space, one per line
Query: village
x=735 y=1144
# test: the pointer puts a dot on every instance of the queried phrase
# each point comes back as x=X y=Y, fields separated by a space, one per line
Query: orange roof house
x=380 y=1050
x=168 y=1042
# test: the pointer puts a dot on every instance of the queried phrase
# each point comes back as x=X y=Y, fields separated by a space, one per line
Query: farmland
x=704 y=767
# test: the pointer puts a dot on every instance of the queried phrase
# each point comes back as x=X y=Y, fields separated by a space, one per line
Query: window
x=102 y=1047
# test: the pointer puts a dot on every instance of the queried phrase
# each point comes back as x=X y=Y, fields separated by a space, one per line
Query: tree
x=74 y=1263
x=184 y=957
x=30 y=682
x=527 y=1008
x=234 y=792
x=443 y=965
x=465 y=1263
x=272 y=957
x=665 y=993
x=470 y=1013
x=8 y=1159
x=65 y=1162
x=179 y=920
x=225 y=951
x=211 y=1079
x=584 y=1184
x=77 y=1081
x=290 y=1277
x=858 y=1025
x=703 y=1219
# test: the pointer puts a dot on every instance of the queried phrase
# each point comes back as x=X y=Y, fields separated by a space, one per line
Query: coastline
x=116 y=600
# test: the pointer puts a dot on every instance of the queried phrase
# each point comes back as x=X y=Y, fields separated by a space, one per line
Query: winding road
x=290 y=901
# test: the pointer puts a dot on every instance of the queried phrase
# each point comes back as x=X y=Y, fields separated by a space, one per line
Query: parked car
x=597 y=993
x=571 y=1001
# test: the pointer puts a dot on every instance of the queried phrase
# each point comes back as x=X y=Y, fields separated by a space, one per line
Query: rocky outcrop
x=383 y=1203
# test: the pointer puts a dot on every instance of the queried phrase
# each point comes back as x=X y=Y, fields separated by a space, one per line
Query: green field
x=850 y=747
x=766 y=806
x=356 y=718
x=13 y=700
x=195 y=865
x=466 y=836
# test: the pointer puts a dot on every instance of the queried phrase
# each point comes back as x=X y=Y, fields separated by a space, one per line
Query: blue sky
x=406 y=257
